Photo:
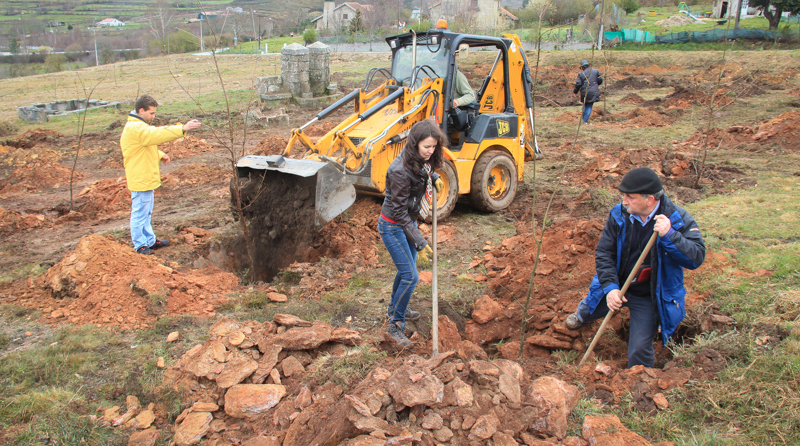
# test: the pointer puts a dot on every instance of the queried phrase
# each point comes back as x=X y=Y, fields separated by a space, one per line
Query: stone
x=204 y=361
x=144 y=438
x=485 y=426
x=485 y=310
x=509 y=386
x=547 y=341
x=304 y=399
x=288 y=320
x=275 y=375
x=609 y=431
x=193 y=428
x=277 y=297
x=509 y=367
x=204 y=406
x=469 y=351
x=262 y=440
x=344 y=335
x=443 y=435
x=554 y=399
x=432 y=421
x=305 y=338
x=144 y=420
x=509 y=350
x=160 y=363
x=291 y=367
x=248 y=400
x=427 y=389
x=661 y=401
x=223 y=327
x=449 y=338
x=462 y=392
x=266 y=362
x=494 y=330
x=172 y=337
x=503 y=439
x=235 y=338
x=236 y=370
x=364 y=440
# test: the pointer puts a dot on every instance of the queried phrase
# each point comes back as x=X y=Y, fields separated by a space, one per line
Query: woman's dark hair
x=419 y=132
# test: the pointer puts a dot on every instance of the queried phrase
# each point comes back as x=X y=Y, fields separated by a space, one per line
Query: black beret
x=641 y=180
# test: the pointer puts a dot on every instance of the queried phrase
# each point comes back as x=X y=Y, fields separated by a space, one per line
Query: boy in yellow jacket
x=141 y=157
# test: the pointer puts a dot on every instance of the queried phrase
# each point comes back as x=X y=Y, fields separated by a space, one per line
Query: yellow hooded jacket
x=140 y=154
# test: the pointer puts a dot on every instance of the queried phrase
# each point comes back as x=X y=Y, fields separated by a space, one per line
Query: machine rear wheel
x=446 y=201
x=494 y=181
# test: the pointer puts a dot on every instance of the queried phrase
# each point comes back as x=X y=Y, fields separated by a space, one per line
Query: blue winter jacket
x=682 y=247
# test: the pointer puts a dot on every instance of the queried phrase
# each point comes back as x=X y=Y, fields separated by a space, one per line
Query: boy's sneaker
x=144 y=250
x=159 y=244
x=572 y=322
x=396 y=331
x=411 y=315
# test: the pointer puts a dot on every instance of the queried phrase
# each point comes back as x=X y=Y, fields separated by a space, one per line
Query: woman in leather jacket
x=409 y=182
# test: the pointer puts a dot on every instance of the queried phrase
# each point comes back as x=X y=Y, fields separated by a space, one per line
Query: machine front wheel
x=446 y=201
x=494 y=181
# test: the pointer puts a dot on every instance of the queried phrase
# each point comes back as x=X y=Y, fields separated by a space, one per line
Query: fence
x=635 y=35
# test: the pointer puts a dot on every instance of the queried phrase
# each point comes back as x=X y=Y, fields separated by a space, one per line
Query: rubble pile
x=194 y=174
x=108 y=198
x=12 y=222
x=248 y=384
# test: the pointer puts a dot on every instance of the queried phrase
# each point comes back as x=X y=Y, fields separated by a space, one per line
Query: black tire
x=449 y=196
x=494 y=181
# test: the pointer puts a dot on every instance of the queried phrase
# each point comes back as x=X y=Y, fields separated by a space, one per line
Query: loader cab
x=438 y=53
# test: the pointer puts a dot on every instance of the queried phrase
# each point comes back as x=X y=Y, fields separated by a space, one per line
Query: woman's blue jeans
x=141 y=213
x=587 y=111
x=404 y=256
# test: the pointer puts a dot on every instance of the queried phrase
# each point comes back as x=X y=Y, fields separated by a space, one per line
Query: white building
x=337 y=17
x=109 y=22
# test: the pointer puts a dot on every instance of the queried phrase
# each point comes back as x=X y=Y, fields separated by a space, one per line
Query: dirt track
x=90 y=274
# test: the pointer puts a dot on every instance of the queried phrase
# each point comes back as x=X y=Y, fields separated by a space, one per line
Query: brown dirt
x=779 y=133
x=36 y=175
x=631 y=98
x=643 y=117
x=195 y=174
x=105 y=283
x=104 y=199
x=271 y=145
x=11 y=156
x=12 y=222
x=186 y=147
x=637 y=83
x=33 y=137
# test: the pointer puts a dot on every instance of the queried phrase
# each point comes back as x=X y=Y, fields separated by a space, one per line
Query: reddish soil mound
x=36 y=175
x=631 y=98
x=105 y=199
x=783 y=130
x=315 y=131
x=114 y=161
x=637 y=83
x=12 y=222
x=685 y=97
x=33 y=137
x=193 y=174
x=185 y=147
x=643 y=117
x=105 y=283
x=349 y=246
x=11 y=156
x=607 y=169
x=271 y=145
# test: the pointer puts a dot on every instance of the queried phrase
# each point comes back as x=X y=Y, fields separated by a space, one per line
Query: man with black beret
x=655 y=297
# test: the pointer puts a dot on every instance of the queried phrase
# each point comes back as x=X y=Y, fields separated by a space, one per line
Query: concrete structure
x=305 y=78
x=334 y=17
x=42 y=112
x=726 y=9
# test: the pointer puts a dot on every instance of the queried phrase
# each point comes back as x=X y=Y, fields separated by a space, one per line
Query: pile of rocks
x=246 y=386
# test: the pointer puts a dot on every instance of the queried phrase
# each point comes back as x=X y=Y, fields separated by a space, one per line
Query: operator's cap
x=641 y=180
x=584 y=63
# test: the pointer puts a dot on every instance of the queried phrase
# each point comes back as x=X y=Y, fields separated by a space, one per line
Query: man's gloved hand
x=426 y=254
x=439 y=185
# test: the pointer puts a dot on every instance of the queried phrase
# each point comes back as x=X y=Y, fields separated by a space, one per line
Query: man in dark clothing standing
x=588 y=84
x=655 y=297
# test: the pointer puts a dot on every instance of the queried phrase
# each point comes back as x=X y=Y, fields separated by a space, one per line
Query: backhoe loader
x=484 y=161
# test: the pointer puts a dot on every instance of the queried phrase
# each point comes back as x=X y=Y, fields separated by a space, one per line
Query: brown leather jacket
x=404 y=191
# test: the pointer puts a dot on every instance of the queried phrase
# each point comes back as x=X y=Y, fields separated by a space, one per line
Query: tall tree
x=159 y=18
x=781 y=6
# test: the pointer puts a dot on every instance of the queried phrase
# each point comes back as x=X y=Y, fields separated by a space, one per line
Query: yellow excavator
x=484 y=161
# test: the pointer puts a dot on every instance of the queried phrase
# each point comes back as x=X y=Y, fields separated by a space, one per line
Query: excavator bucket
x=333 y=193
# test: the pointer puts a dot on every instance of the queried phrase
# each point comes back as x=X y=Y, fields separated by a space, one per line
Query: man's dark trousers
x=644 y=326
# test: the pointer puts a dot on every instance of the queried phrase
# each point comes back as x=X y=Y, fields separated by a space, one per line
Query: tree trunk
x=773 y=18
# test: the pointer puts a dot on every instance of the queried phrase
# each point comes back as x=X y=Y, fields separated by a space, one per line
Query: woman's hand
x=439 y=185
x=426 y=254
